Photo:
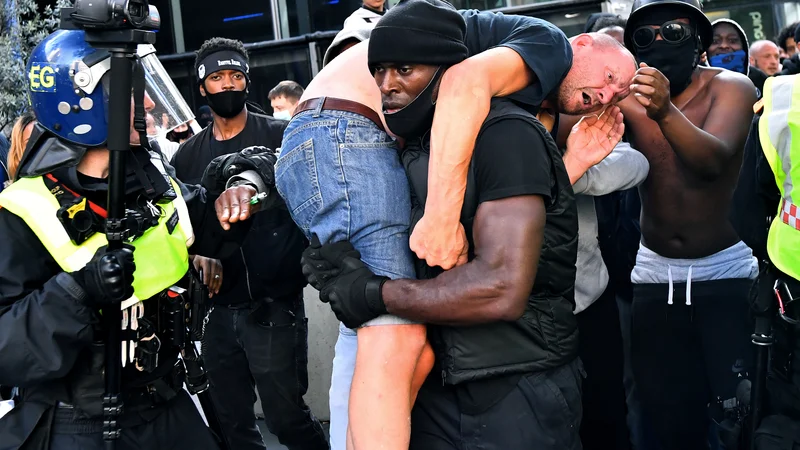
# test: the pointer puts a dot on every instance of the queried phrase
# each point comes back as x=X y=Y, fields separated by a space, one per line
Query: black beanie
x=419 y=32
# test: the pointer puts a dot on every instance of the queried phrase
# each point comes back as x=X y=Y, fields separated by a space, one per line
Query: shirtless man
x=341 y=177
x=693 y=275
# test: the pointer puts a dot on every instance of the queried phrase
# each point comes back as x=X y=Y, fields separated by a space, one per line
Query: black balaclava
x=226 y=104
x=426 y=32
x=676 y=61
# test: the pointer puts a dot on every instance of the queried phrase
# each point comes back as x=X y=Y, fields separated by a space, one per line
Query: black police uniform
x=51 y=344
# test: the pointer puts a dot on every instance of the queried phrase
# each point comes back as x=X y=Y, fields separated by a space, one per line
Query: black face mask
x=415 y=118
x=675 y=61
x=180 y=135
x=227 y=104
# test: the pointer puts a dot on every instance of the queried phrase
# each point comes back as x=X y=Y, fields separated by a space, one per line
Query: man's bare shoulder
x=729 y=82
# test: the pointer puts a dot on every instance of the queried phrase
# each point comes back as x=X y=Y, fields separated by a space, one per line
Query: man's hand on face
x=439 y=245
x=233 y=205
x=593 y=137
x=651 y=89
x=344 y=281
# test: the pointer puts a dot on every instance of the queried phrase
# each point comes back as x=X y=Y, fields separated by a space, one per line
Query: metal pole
x=313 y=57
x=118 y=145
x=277 y=31
x=177 y=26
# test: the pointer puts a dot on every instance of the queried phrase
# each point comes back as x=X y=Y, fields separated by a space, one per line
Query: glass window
x=249 y=21
x=165 y=36
x=308 y=16
x=757 y=19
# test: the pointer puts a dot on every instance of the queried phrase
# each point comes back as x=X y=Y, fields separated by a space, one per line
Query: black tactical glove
x=259 y=159
x=344 y=281
x=108 y=277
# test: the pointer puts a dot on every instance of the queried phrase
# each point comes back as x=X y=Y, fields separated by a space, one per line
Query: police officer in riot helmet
x=57 y=274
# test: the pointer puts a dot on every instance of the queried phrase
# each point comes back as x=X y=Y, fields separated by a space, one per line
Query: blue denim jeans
x=342 y=179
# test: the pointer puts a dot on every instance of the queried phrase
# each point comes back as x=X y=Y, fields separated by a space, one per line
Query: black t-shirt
x=510 y=159
x=269 y=262
x=544 y=48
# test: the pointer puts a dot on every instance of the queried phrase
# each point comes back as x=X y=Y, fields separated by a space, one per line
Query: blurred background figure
x=729 y=50
x=204 y=116
x=283 y=98
x=765 y=55
x=611 y=25
x=170 y=142
x=791 y=65
x=180 y=134
x=786 y=41
x=344 y=40
x=367 y=15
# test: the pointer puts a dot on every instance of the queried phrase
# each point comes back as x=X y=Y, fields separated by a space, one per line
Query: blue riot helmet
x=69 y=89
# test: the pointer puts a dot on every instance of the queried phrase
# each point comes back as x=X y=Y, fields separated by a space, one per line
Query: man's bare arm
x=463 y=103
x=495 y=285
x=707 y=151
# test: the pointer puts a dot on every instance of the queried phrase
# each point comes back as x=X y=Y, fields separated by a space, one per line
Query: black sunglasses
x=673 y=32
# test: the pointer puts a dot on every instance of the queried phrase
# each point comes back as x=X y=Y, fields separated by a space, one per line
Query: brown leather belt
x=338 y=104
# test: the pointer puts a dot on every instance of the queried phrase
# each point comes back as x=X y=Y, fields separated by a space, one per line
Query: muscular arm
x=707 y=151
x=465 y=96
x=509 y=60
x=495 y=285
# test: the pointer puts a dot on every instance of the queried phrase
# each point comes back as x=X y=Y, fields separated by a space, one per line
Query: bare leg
x=391 y=364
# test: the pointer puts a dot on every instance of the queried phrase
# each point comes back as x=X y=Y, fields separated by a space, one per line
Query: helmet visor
x=168 y=108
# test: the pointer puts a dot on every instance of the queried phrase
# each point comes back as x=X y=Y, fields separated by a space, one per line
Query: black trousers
x=264 y=345
x=604 y=425
x=542 y=412
x=688 y=359
x=178 y=426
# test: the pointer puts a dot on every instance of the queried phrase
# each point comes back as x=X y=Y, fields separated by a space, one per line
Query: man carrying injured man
x=341 y=176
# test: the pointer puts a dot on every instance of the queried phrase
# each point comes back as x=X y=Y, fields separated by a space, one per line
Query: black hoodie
x=756 y=75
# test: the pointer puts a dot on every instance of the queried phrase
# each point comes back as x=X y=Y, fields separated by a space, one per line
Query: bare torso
x=347 y=77
x=683 y=215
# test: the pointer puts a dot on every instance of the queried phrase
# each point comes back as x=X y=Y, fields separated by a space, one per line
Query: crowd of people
x=532 y=241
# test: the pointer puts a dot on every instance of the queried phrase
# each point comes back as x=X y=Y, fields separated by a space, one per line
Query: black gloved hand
x=108 y=277
x=222 y=168
x=344 y=281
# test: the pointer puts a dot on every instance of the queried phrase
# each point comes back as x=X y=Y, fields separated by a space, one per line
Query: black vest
x=546 y=336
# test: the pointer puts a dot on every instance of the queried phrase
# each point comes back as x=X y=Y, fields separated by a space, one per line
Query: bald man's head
x=765 y=56
x=601 y=74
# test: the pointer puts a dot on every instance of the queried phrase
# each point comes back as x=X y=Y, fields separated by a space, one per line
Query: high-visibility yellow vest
x=161 y=256
x=779 y=133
